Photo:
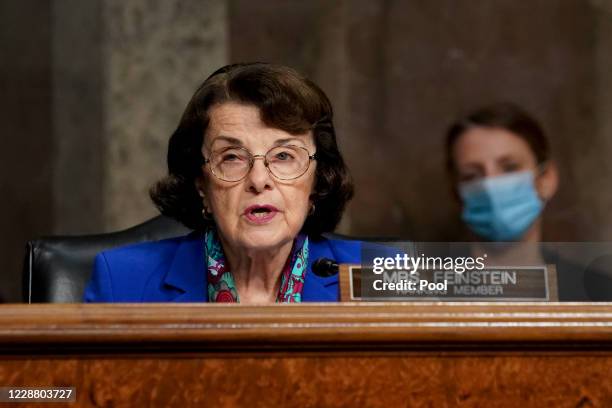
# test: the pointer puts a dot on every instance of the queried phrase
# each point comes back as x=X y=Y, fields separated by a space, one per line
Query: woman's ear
x=201 y=189
x=547 y=182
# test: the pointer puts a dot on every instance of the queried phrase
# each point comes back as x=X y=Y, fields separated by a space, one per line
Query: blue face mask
x=501 y=208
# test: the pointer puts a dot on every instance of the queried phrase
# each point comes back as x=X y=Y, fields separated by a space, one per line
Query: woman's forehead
x=233 y=115
x=481 y=143
x=240 y=124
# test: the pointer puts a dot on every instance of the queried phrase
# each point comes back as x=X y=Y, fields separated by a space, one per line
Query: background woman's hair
x=287 y=101
x=502 y=115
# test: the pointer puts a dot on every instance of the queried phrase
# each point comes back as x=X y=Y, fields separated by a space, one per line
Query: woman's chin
x=264 y=239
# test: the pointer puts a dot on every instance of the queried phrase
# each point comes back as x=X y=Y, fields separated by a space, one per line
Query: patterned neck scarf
x=221 y=284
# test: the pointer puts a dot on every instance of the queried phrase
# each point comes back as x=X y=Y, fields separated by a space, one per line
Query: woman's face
x=487 y=152
x=259 y=212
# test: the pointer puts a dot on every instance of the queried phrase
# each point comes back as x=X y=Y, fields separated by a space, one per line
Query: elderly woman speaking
x=255 y=171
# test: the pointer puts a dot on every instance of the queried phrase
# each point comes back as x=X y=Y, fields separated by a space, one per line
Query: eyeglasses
x=286 y=162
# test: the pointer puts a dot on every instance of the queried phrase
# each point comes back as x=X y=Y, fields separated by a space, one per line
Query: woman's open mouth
x=260 y=214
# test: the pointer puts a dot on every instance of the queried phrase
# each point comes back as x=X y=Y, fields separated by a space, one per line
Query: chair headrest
x=56 y=269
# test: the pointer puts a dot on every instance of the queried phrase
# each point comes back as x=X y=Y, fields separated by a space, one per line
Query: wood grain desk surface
x=343 y=325
x=313 y=355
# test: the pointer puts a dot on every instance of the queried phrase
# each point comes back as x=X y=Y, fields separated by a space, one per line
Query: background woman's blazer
x=173 y=270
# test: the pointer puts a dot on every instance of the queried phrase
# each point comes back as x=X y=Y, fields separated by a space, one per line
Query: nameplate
x=491 y=284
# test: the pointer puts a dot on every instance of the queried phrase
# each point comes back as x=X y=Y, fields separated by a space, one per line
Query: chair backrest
x=56 y=269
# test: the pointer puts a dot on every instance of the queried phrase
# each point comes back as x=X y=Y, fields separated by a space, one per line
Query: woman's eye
x=470 y=174
x=468 y=177
x=510 y=167
x=231 y=157
x=283 y=156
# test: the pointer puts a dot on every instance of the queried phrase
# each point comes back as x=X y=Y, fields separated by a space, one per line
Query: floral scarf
x=221 y=284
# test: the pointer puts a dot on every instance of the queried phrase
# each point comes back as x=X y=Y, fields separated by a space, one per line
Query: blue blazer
x=173 y=270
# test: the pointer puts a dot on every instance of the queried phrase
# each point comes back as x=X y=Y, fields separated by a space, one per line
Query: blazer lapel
x=316 y=288
x=187 y=272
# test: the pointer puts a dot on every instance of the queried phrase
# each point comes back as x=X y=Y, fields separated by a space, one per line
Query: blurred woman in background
x=501 y=167
x=500 y=163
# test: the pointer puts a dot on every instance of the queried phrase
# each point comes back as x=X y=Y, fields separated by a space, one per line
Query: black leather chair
x=56 y=269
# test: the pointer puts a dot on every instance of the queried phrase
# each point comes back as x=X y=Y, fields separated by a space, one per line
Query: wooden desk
x=334 y=355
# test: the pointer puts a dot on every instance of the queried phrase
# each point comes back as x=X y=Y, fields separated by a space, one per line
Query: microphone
x=325 y=267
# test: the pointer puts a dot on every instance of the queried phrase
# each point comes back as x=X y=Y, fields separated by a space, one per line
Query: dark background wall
x=26 y=176
x=91 y=92
x=93 y=89
x=399 y=72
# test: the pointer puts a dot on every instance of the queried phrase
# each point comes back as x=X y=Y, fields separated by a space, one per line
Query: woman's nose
x=259 y=178
x=491 y=170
